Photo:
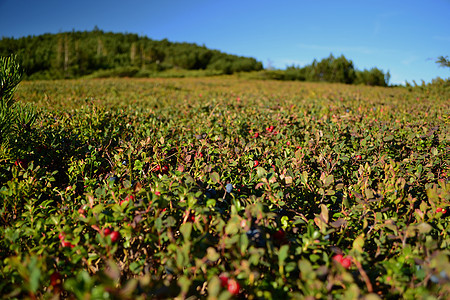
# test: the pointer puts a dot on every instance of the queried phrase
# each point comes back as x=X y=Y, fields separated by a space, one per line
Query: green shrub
x=15 y=118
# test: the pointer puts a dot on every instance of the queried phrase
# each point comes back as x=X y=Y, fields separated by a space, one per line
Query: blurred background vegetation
x=99 y=54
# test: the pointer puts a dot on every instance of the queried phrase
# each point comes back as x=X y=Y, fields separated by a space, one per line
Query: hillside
x=107 y=54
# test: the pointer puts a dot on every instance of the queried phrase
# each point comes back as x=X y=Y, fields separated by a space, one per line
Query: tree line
x=106 y=54
x=75 y=54
x=332 y=69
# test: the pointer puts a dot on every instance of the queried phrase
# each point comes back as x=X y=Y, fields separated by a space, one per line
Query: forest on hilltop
x=75 y=54
x=106 y=54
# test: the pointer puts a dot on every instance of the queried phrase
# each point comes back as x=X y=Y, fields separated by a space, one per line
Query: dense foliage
x=443 y=61
x=332 y=69
x=107 y=54
x=16 y=119
x=223 y=187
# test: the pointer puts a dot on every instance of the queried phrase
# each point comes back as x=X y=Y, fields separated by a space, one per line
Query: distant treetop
x=75 y=54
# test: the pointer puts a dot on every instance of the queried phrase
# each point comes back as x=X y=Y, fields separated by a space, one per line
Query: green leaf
x=184 y=282
x=260 y=172
x=424 y=228
x=243 y=243
x=328 y=180
x=358 y=243
x=35 y=274
x=324 y=212
x=211 y=254
x=304 y=177
x=186 y=230
x=213 y=287
x=214 y=177
x=283 y=254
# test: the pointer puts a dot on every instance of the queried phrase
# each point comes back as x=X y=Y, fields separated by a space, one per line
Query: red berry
x=256 y=163
x=21 y=163
x=61 y=236
x=127 y=199
x=270 y=128
x=444 y=211
x=156 y=169
x=164 y=169
x=66 y=244
x=158 y=193
x=438 y=210
x=191 y=218
x=256 y=134
x=233 y=286
x=115 y=236
x=223 y=280
x=358 y=157
x=338 y=258
x=346 y=262
x=55 y=279
x=107 y=231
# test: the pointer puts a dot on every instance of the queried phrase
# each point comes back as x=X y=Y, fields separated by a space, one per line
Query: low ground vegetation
x=223 y=187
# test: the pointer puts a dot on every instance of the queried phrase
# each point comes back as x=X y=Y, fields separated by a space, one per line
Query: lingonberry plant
x=109 y=197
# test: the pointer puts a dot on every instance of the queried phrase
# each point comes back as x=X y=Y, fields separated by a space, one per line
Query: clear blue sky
x=404 y=37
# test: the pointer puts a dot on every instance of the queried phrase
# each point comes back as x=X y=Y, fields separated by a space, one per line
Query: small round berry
x=233 y=286
x=223 y=280
x=338 y=258
x=229 y=187
x=191 y=218
x=107 y=231
x=164 y=169
x=346 y=262
x=115 y=236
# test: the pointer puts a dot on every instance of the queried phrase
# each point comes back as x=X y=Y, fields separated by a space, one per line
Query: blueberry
x=256 y=238
x=229 y=187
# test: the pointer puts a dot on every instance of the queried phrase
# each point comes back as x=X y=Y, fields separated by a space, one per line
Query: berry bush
x=226 y=188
